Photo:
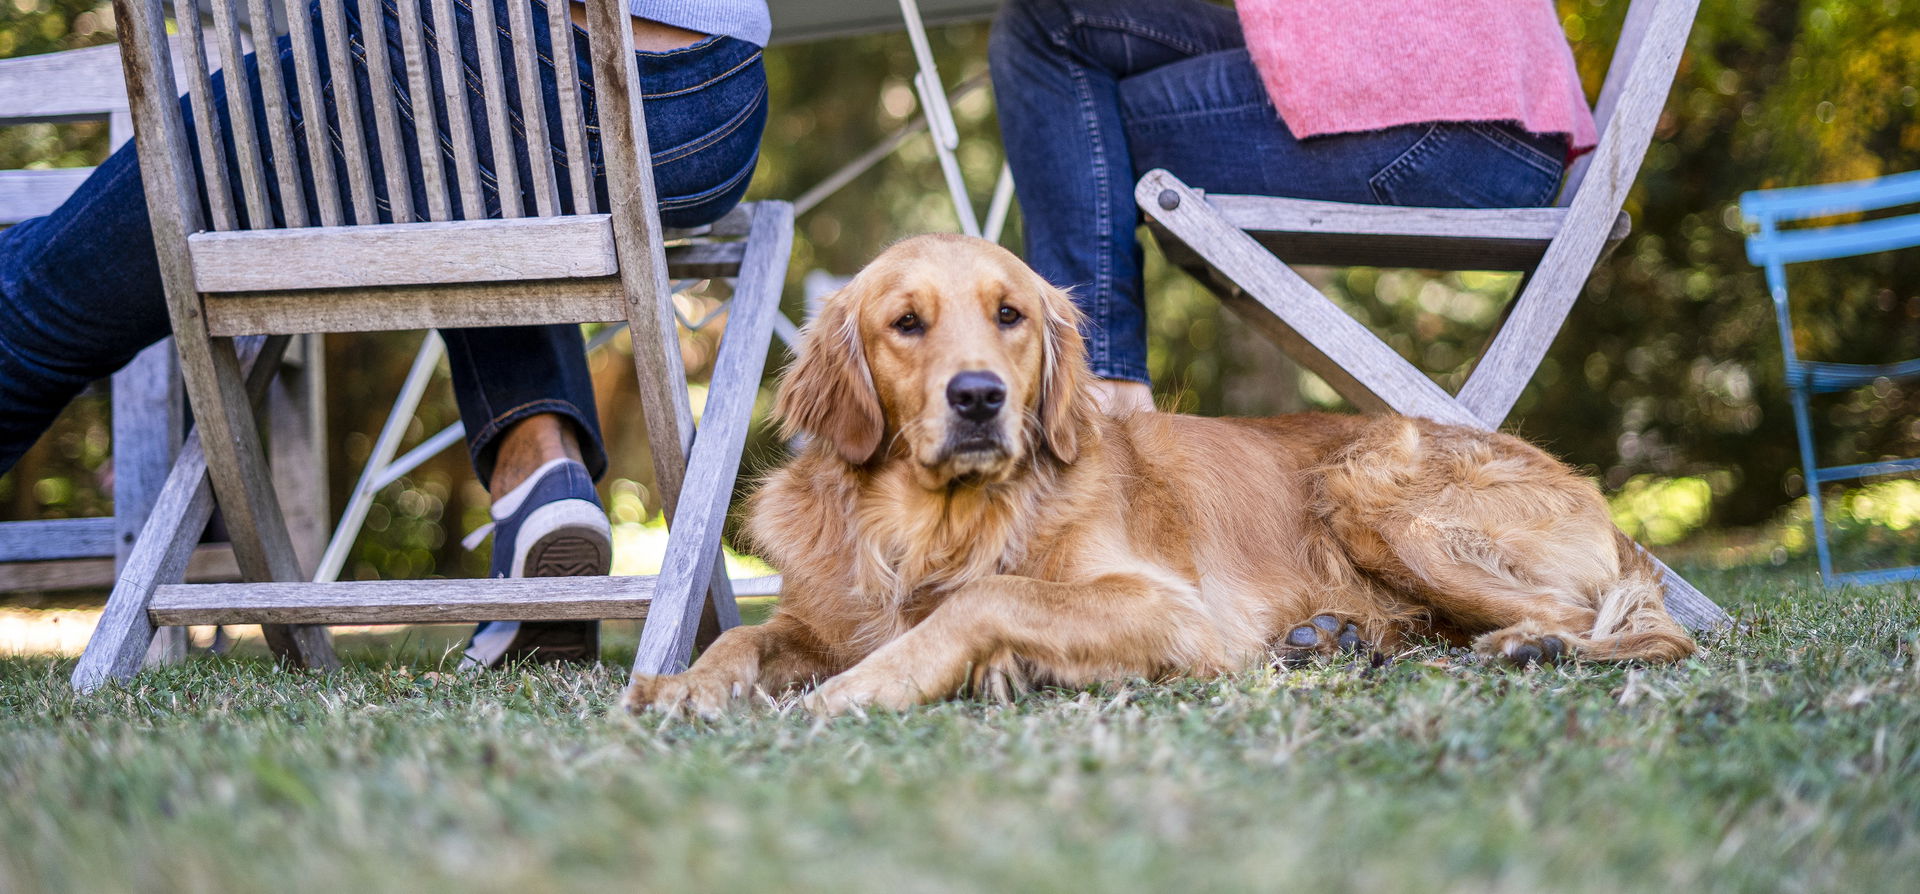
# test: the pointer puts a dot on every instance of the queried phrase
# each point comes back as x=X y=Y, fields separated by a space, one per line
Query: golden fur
x=924 y=553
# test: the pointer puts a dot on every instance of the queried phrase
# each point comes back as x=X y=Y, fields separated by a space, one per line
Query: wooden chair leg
x=1324 y=338
x=121 y=642
x=149 y=420
x=692 y=564
x=230 y=438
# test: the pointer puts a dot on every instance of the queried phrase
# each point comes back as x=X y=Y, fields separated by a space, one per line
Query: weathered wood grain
x=56 y=538
x=212 y=562
x=404 y=601
x=493 y=88
x=166 y=545
x=386 y=115
x=273 y=93
x=573 y=113
x=1313 y=330
x=346 y=102
x=420 y=94
x=533 y=110
x=453 y=98
x=25 y=195
x=404 y=254
x=691 y=562
x=207 y=136
x=306 y=77
x=226 y=37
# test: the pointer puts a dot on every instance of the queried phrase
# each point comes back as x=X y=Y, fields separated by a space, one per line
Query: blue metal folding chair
x=1774 y=249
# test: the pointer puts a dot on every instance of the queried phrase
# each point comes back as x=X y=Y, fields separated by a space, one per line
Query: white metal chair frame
x=236 y=295
x=1242 y=246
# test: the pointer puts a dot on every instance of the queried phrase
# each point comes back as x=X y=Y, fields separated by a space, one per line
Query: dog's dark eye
x=909 y=324
x=1009 y=316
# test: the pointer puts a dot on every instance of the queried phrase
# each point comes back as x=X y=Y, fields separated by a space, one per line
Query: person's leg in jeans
x=1091 y=95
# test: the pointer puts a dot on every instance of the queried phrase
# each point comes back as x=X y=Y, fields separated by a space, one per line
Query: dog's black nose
x=976 y=396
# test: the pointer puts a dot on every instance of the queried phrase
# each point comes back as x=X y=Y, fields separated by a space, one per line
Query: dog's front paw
x=699 y=694
x=856 y=692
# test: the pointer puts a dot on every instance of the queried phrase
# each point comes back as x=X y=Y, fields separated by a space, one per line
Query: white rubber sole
x=564 y=538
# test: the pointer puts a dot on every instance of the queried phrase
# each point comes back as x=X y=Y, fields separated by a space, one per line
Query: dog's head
x=947 y=352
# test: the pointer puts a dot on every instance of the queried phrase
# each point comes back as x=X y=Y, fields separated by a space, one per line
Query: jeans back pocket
x=1473 y=165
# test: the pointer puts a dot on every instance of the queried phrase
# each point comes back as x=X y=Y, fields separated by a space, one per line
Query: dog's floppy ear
x=828 y=392
x=1064 y=404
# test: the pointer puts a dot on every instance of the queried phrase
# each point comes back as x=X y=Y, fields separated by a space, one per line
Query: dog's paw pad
x=1326 y=634
x=1542 y=650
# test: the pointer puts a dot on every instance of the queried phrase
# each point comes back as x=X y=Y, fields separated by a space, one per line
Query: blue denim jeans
x=80 y=289
x=1092 y=94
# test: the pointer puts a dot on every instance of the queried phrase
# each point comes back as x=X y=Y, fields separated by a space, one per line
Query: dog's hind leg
x=1498 y=539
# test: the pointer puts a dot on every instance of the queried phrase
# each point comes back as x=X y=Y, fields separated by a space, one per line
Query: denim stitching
x=680 y=202
x=1516 y=147
x=722 y=132
x=1396 y=170
x=1103 y=268
x=1130 y=27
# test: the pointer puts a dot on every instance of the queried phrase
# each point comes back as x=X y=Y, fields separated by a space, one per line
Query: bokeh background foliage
x=1665 y=384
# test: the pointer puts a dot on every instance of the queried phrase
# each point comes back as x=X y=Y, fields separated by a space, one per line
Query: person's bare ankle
x=1119 y=397
x=529 y=444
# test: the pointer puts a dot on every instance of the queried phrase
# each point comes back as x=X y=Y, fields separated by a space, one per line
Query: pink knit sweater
x=1339 y=66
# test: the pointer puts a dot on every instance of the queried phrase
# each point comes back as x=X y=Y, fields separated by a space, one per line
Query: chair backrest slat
x=573 y=123
x=273 y=92
x=459 y=121
x=306 y=76
x=386 y=118
x=506 y=170
x=420 y=93
x=245 y=138
x=332 y=117
x=346 y=102
x=206 y=130
x=533 y=107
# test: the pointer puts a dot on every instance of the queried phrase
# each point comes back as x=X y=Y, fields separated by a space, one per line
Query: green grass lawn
x=1785 y=757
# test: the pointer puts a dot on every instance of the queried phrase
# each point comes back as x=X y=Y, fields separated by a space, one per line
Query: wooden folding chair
x=1242 y=246
x=235 y=295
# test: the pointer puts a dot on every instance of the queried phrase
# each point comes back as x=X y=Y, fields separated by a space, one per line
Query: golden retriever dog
x=962 y=516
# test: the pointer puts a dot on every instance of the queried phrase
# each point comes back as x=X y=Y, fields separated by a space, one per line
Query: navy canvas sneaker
x=550 y=526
